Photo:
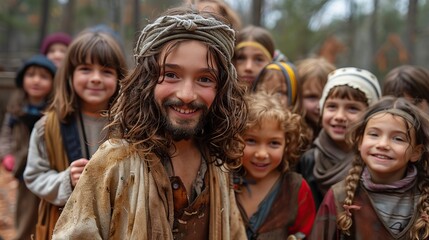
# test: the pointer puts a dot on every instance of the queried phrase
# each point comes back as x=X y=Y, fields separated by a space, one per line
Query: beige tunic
x=124 y=195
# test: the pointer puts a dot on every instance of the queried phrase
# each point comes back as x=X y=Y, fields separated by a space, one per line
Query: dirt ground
x=8 y=185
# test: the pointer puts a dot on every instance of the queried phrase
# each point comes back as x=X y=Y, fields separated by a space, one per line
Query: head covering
x=37 y=60
x=289 y=72
x=187 y=26
x=59 y=37
x=356 y=78
x=255 y=45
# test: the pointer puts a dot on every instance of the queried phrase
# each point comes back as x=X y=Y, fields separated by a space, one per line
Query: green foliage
x=294 y=29
x=391 y=21
x=297 y=38
x=292 y=32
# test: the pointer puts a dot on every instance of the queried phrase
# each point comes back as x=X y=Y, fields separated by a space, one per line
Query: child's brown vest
x=278 y=220
x=366 y=223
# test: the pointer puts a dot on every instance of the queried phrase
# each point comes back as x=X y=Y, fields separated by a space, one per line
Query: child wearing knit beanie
x=54 y=46
x=34 y=83
x=348 y=92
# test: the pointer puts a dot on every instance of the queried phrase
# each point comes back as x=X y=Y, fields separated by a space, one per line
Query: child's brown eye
x=170 y=75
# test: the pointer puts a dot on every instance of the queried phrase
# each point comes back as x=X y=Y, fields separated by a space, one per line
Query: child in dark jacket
x=34 y=81
x=348 y=92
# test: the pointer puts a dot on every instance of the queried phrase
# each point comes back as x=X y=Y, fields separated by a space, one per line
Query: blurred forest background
x=373 y=34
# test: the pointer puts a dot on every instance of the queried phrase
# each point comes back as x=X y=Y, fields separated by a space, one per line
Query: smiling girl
x=64 y=140
x=385 y=194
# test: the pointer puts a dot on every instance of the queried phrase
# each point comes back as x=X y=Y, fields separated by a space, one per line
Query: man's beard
x=181 y=130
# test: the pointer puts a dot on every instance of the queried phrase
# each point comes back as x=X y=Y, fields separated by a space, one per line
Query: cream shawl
x=123 y=195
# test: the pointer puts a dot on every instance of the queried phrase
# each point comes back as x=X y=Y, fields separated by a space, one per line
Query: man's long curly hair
x=137 y=118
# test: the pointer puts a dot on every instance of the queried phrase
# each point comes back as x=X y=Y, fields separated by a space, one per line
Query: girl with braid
x=386 y=193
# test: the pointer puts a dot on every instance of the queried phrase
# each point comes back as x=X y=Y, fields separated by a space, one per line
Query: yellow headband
x=291 y=73
x=256 y=45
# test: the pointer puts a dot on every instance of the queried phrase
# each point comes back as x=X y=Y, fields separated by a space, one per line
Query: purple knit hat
x=58 y=37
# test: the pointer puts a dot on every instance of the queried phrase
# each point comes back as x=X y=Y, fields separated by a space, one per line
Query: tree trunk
x=10 y=30
x=44 y=21
x=136 y=18
x=117 y=9
x=373 y=33
x=257 y=8
x=351 y=33
x=411 y=29
x=68 y=17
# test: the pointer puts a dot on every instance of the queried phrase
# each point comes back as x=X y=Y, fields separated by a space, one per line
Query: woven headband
x=256 y=45
x=397 y=112
x=186 y=26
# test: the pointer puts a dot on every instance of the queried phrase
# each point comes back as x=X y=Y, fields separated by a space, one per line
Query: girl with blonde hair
x=274 y=201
